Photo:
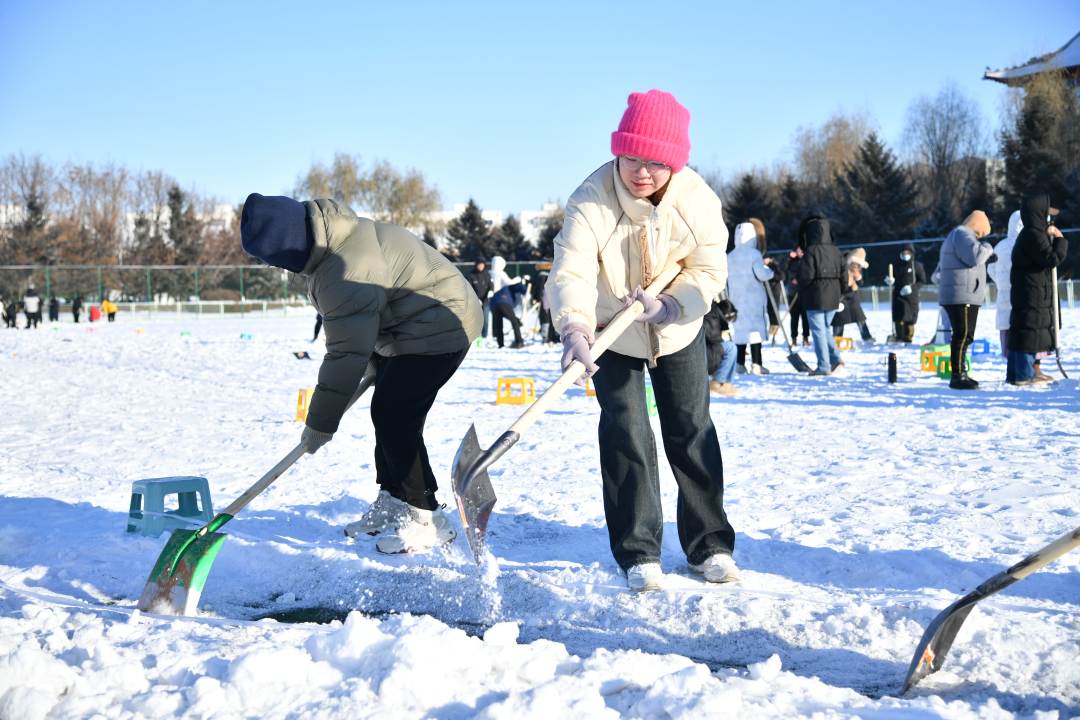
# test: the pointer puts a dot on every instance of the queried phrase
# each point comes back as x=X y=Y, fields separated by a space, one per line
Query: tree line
x=947 y=165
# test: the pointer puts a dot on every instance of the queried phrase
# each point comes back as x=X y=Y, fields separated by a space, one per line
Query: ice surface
x=862 y=510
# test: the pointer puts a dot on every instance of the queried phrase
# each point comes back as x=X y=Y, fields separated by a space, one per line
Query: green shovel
x=179 y=575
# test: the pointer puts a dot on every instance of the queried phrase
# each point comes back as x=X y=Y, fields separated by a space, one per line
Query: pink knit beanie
x=654 y=127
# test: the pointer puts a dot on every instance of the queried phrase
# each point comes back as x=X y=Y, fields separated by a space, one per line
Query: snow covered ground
x=862 y=510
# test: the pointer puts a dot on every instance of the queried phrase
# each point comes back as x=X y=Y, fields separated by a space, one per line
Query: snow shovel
x=1057 y=323
x=793 y=357
x=179 y=575
x=940 y=633
x=472 y=486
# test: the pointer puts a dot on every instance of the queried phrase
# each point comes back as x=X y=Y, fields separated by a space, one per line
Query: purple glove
x=577 y=341
x=660 y=310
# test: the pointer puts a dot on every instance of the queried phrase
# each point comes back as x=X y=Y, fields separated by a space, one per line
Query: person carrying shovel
x=628 y=222
x=392 y=308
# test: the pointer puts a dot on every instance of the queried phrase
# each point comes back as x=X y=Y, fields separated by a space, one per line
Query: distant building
x=1065 y=61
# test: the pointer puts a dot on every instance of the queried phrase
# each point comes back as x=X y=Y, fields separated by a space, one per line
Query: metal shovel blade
x=797 y=362
x=177 y=580
x=473 y=492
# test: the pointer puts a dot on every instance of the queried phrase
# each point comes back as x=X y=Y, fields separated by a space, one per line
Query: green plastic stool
x=944 y=366
x=147 y=512
x=650 y=400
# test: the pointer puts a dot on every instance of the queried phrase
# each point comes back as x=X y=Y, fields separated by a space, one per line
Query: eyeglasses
x=633 y=164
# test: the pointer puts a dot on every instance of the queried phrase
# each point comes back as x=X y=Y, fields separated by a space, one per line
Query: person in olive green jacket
x=392 y=307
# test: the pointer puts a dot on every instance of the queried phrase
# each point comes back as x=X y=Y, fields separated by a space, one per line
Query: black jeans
x=500 y=311
x=962 y=318
x=405 y=389
x=798 y=313
x=755 y=354
x=628 y=464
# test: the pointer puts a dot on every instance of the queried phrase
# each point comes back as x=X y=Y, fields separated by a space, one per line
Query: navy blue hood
x=274 y=229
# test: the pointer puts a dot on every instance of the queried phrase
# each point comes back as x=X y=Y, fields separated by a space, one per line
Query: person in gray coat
x=962 y=288
x=393 y=308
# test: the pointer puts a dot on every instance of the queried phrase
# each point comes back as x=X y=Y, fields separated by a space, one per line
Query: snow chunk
x=504 y=633
x=766 y=670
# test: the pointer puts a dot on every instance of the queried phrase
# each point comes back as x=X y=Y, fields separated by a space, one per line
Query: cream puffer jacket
x=612 y=242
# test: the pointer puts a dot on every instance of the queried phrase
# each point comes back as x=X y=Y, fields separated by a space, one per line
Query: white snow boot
x=718 y=568
x=756 y=369
x=418 y=531
x=644 y=577
x=383 y=514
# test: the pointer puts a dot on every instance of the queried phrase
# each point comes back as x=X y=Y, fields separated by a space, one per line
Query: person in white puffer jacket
x=499 y=277
x=747 y=273
x=630 y=220
x=999 y=273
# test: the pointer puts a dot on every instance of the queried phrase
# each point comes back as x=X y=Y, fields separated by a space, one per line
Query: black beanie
x=274 y=229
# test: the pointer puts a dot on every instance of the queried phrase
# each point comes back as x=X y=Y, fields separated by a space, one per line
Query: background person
x=31 y=304
x=720 y=348
x=1040 y=247
x=747 y=275
x=852 y=312
x=821 y=281
x=796 y=309
x=908 y=278
x=480 y=280
x=999 y=272
x=962 y=289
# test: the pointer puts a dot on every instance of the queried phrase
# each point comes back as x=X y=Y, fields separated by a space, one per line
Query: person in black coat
x=1040 y=247
x=502 y=307
x=821 y=277
x=851 y=310
x=908 y=279
x=720 y=349
x=54 y=309
x=480 y=279
x=11 y=310
x=796 y=310
x=76 y=307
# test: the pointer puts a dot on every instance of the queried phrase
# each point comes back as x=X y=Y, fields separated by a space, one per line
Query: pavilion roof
x=1067 y=58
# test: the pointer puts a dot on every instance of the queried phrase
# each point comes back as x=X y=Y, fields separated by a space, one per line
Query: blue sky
x=509 y=103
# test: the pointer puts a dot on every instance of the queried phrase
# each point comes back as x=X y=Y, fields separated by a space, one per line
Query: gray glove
x=889 y=281
x=660 y=310
x=577 y=343
x=313 y=439
x=905 y=291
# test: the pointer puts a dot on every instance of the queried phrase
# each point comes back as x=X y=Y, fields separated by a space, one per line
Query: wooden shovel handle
x=604 y=340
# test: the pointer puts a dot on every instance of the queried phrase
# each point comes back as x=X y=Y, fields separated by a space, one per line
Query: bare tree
x=401 y=198
x=91 y=213
x=343 y=181
x=943 y=135
x=822 y=153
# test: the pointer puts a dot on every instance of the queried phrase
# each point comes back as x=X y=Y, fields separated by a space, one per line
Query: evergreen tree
x=509 y=241
x=545 y=243
x=469 y=235
x=1037 y=150
x=877 y=198
x=784 y=229
x=184 y=234
x=429 y=237
x=751 y=197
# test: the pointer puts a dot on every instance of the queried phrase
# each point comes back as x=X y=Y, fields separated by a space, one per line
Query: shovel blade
x=473 y=492
x=179 y=575
x=798 y=363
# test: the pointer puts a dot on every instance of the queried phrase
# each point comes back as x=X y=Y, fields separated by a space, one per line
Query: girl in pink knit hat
x=636 y=215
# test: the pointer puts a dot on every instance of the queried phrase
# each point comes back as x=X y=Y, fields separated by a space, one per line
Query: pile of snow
x=862 y=510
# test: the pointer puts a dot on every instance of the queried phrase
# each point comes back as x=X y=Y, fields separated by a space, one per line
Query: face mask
x=905 y=256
